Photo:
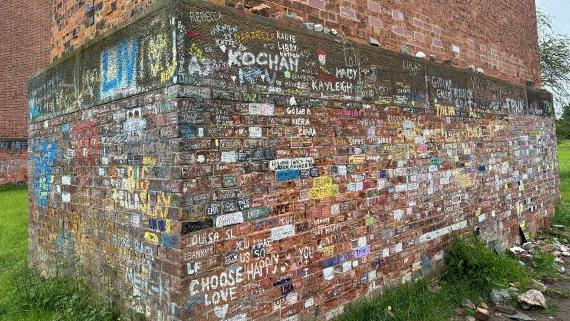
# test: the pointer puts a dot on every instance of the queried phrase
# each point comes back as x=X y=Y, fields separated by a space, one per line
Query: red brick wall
x=13 y=161
x=24 y=49
x=496 y=35
x=73 y=24
x=236 y=169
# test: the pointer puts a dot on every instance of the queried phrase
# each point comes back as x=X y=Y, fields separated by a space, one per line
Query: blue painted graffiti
x=65 y=244
x=285 y=175
x=339 y=259
x=361 y=251
x=285 y=285
x=157 y=224
x=65 y=128
x=357 y=253
x=35 y=111
x=169 y=240
x=118 y=67
x=255 y=75
x=427 y=265
x=44 y=155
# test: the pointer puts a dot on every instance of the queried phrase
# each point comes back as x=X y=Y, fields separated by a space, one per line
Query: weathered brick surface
x=25 y=47
x=13 y=161
x=496 y=35
x=212 y=167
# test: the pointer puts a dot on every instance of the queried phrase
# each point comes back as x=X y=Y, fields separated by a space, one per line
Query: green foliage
x=470 y=261
x=563 y=124
x=554 y=57
x=544 y=267
x=562 y=215
x=6 y=188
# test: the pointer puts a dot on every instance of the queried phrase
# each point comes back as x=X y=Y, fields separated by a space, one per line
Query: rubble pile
x=509 y=302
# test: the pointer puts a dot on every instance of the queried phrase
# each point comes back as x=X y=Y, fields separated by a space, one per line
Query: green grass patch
x=472 y=270
x=562 y=215
x=544 y=267
x=411 y=301
x=471 y=261
x=24 y=295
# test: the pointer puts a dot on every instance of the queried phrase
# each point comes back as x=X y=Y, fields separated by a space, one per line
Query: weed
x=470 y=261
x=550 y=309
x=410 y=301
x=472 y=270
x=544 y=267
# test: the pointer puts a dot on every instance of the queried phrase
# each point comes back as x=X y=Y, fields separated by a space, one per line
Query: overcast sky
x=560 y=11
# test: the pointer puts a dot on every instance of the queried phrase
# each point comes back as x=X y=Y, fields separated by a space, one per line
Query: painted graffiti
x=265 y=172
x=118 y=67
x=85 y=143
x=44 y=155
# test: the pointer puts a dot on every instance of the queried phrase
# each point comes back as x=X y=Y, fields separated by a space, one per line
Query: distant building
x=24 y=49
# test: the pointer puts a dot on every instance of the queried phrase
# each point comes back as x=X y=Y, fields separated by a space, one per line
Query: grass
x=562 y=215
x=411 y=301
x=544 y=267
x=24 y=295
x=13 y=224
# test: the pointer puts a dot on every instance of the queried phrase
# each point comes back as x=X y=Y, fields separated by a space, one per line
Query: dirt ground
x=562 y=310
